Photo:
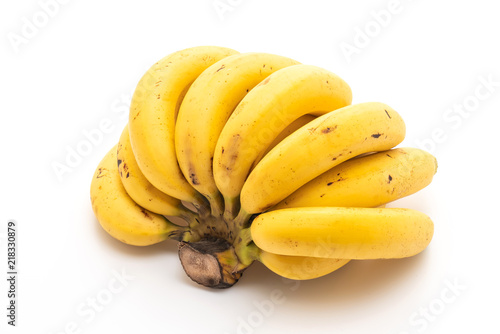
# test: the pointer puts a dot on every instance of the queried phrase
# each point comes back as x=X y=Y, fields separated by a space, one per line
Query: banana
x=300 y=267
x=153 y=114
x=367 y=181
x=343 y=233
x=205 y=109
x=313 y=149
x=119 y=215
x=263 y=113
x=139 y=188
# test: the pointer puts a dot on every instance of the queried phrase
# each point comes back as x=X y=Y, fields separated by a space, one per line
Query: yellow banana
x=119 y=215
x=343 y=233
x=313 y=149
x=367 y=181
x=205 y=109
x=139 y=188
x=264 y=112
x=153 y=114
x=300 y=267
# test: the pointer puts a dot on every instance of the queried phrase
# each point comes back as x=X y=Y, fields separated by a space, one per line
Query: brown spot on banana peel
x=377 y=135
x=387 y=113
x=125 y=168
x=194 y=179
x=146 y=214
x=233 y=147
x=390 y=179
x=101 y=173
x=192 y=175
x=328 y=129
x=337 y=180
x=137 y=115
x=338 y=156
x=221 y=68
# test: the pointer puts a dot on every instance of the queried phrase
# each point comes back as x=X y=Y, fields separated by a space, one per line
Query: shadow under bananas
x=357 y=283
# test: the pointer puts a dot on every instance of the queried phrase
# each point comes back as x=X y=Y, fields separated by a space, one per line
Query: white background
x=79 y=67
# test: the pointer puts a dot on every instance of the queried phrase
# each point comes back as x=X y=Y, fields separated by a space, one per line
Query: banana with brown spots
x=119 y=215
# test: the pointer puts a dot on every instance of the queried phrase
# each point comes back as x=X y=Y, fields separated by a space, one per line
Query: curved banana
x=343 y=233
x=300 y=267
x=205 y=109
x=153 y=114
x=367 y=181
x=139 y=188
x=264 y=112
x=119 y=215
x=321 y=145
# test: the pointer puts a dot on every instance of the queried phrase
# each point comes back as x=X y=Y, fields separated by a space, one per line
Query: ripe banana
x=313 y=149
x=205 y=109
x=153 y=114
x=367 y=181
x=343 y=233
x=140 y=189
x=300 y=267
x=263 y=113
x=119 y=215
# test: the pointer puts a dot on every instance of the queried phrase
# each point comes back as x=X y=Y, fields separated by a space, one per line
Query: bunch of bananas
x=252 y=156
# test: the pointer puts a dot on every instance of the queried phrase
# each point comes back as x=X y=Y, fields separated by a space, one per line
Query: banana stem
x=202 y=206
x=231 y=207
x=245 y=248
x=242 y=219
x=175 y=232
x=190 y=217
x=216 y=204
